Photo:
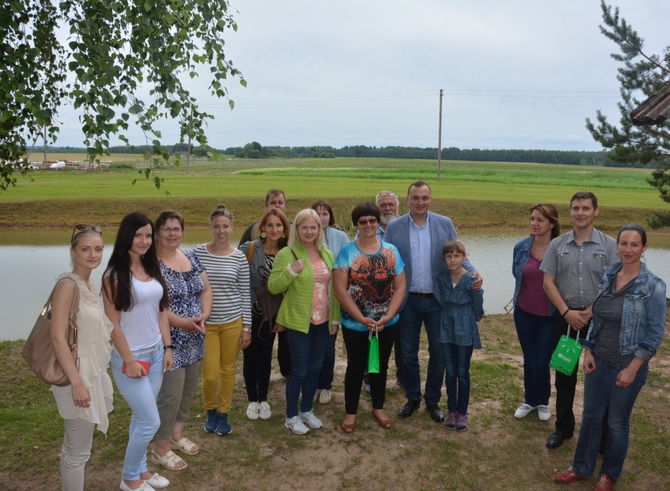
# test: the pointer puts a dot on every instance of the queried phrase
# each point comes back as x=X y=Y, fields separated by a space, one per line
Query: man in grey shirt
x=573 y=267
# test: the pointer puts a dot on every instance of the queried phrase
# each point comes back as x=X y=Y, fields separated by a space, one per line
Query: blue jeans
x=307 y=354
x=600 y=390
x=457 y=362
x=140 y=394
x=536 y=336
x=328 y=369
x=417 y=311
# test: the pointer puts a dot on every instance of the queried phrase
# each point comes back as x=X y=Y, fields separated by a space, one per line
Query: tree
x=113 y=48
x=643 y=74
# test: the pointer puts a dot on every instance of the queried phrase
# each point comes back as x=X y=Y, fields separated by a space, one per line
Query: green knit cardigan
x=296 y=308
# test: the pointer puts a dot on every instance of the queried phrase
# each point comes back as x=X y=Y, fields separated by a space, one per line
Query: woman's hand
x=298 y=266
x=245 y=339
x=80 y=395
x=278 y=328
x=135 y=370
x=589 y=362
x=334 y=327
x=190 y=324
x=381 y=323
x=628 y=374
x=371 y=324
x=168 y=360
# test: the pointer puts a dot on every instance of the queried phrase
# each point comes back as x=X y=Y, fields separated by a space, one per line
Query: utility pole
x=439 y=141
x=44 y=162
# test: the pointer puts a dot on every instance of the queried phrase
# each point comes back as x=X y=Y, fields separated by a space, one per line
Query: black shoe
x=399 y=381
x=410 y=406
x=556 y=439
x=435 y=413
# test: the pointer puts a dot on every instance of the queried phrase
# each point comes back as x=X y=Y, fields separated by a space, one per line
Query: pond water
x=30 y=261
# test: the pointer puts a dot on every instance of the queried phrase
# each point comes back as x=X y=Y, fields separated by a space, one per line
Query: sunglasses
x=370 y=221
x=221 y=213
x=82 y=228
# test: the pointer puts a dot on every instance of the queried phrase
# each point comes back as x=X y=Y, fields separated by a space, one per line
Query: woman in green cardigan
x=309 y=313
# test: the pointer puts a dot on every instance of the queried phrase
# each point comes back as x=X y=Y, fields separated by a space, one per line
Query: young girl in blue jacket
x=462 y=307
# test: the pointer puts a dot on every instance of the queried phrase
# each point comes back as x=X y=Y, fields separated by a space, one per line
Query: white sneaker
x=524 y=410
x=317 y=394
x=543 y=413
x=143 y=487
x=310 y=420
x=264 y=410
x=296 y=425
x=325 y=396
x=157 y=481
x=253 y=411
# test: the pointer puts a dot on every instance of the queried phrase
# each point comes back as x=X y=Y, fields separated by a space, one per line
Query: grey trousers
x=76 y=452
x=175 y=398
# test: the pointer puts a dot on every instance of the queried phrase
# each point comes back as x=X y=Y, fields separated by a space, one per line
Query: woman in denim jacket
x=626 y=330
x=532 y=310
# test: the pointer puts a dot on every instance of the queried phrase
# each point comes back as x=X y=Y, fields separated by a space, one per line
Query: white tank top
x=140 y=323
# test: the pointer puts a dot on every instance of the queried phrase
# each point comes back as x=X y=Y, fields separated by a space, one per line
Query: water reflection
x=29 y=270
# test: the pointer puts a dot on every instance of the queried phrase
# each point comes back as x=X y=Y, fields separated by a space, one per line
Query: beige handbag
x=38 y=350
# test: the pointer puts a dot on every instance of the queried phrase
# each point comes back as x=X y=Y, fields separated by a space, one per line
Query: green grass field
x=485 y=190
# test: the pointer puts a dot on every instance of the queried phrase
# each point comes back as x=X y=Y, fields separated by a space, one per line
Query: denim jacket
x=520 y=258
x=462 y=307
x=643 y=320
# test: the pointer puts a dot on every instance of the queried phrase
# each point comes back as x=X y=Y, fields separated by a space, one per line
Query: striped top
x=229 y=278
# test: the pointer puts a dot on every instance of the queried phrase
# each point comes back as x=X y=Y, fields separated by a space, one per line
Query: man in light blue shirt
x=419 y=237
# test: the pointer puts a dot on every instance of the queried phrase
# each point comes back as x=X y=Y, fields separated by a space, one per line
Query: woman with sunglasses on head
x=86 y=402
x=626 y=330
x=532 y=310
x=309 y=313
x=189 y=305
x=335 y=239
x=369 y=280
x=261 y=254
x=229 y=325
x=136 y=300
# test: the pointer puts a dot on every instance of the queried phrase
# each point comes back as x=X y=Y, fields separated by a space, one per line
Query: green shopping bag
x=567 y=353
x=373 y=353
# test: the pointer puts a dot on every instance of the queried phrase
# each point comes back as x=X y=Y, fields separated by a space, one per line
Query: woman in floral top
x=190 y=302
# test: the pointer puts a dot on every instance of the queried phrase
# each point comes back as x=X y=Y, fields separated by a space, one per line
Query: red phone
x=145 y=364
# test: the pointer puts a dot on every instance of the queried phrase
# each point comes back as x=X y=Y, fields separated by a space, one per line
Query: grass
x=497 y=452
x=473 y=194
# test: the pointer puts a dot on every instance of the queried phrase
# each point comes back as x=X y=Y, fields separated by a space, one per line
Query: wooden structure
x=655 y=110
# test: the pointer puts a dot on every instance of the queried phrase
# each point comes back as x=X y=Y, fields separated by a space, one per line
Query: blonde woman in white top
x=86 y=401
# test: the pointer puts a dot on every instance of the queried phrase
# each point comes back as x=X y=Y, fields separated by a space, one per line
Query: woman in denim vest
x=626 y=330
x=532 y=310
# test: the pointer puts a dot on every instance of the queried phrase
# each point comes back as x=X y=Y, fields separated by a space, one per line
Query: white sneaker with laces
x=543 y=413
x=264 y=410
x=311 y=420
x=524 y=410
x=157 y=481
x=253 y=411
x=325 y=396
x=296 y=425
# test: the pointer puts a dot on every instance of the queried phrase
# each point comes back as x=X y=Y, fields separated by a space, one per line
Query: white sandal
x=184 y=445
x=169 y=460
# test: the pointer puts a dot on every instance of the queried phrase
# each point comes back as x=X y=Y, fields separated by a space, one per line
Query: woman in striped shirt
x=229 y=325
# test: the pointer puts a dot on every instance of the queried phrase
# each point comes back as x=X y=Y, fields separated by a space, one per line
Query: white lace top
x=94 y=355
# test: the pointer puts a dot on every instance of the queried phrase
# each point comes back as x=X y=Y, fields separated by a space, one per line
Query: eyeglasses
x=369 y=221
x=168 y=230
x=81 y=228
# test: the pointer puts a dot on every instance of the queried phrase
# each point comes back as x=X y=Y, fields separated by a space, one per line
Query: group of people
x=173 y=314
x=585 y=282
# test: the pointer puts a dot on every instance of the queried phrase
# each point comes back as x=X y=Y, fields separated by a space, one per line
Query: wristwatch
x=167 y=347
x=246 y=329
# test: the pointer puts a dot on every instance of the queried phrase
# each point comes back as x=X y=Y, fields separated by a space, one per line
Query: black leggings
x=258 y=360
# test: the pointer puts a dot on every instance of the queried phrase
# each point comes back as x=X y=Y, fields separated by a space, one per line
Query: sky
x=516 y=74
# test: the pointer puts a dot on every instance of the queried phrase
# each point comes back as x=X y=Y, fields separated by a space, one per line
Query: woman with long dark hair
x=136 y=300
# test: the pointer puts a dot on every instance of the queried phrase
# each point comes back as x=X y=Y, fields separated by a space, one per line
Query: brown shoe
x=569 y=476
x=383 y=422
x=349 y=427
x=606 y=483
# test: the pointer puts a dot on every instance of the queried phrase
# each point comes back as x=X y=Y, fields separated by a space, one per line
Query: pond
x=30 y=260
